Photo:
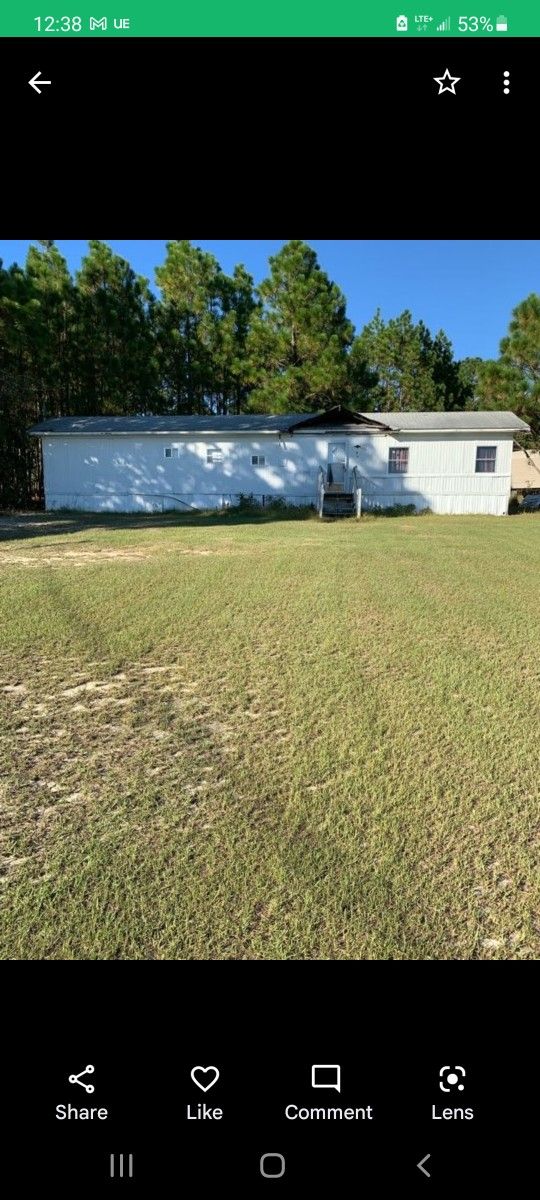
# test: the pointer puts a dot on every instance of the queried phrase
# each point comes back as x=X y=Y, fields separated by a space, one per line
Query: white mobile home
x=455 y=462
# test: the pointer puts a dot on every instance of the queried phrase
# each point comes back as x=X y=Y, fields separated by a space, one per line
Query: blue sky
x=466 y=288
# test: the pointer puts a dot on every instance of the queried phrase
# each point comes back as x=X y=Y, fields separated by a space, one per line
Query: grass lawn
x=235 y=738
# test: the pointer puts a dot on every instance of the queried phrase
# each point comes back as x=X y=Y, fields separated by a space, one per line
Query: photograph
x=269 y=600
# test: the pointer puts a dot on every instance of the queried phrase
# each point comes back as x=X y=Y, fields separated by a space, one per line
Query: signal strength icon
x=444 y=26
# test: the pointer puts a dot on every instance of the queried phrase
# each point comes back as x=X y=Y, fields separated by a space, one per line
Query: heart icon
x=205 y=1077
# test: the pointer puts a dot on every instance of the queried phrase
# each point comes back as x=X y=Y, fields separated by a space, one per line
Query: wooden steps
x=338 y=504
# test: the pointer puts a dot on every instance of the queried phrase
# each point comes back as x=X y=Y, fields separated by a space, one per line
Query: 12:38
x=58 y=24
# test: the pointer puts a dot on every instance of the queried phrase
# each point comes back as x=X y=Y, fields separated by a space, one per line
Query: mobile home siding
x=441 y=473
x=127 y=473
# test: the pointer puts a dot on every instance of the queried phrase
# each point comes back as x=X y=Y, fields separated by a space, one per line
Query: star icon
x=447 y=82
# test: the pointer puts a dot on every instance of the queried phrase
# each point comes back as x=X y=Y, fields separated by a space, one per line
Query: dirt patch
x=109 y=726
x=73 y=557
x=93 y=685
x=103 y=554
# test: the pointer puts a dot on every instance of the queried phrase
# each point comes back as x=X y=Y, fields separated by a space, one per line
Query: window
x=258 y=460
x=398 y=460
x=172 y=451
x=214 y=456
x=485 y=458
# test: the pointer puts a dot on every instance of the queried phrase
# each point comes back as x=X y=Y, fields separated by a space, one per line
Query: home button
x=272 y=1166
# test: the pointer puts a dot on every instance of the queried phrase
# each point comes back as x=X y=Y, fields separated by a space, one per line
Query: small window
x=485 y=458
x=171 y=452
x=258 y=460
x=214 y=456
x=398 y=460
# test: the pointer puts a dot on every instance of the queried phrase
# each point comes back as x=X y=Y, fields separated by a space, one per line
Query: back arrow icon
x=421 y=1166
x=34 y=82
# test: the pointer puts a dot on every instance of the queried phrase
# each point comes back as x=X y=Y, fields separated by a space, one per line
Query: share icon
x=88 y=1087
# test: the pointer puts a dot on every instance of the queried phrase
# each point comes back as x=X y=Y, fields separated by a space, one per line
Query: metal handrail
x=357 y=490
x=320 y=491
x=358 y=475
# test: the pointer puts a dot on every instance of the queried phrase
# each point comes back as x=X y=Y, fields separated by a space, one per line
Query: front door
x=337 y=463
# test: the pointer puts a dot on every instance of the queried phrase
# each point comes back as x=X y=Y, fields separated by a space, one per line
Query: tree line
x=101 y=342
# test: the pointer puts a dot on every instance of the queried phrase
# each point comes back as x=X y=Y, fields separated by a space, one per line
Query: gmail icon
x=98 y=22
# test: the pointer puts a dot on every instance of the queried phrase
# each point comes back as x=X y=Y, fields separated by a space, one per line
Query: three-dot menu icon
x=506 y=83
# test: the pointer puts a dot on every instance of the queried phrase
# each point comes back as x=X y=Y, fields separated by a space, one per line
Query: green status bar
x=269 y=18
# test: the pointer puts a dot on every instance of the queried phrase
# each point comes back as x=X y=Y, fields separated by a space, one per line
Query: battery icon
x=502 y=25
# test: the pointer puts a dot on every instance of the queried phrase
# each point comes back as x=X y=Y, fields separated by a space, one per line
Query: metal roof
x=256 y=423
x=245 y=423
x=463 y=421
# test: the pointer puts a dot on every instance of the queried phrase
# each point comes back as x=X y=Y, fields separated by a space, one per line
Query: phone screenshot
x=269 y=599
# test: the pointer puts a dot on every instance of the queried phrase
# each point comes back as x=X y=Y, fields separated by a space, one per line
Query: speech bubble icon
x=324 y=1075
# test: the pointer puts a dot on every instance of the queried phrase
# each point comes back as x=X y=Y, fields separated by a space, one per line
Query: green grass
x=226 y=737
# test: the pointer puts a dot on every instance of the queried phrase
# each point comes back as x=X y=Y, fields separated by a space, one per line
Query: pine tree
x=469 y=374
x=520 y=358
x=19 y=398
x=414 y=370
x=190 y=283
x=299 y=339
x=362 y=379
x=512 y=382
x=230 y=368
x=51 y=331
x=114 y=336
